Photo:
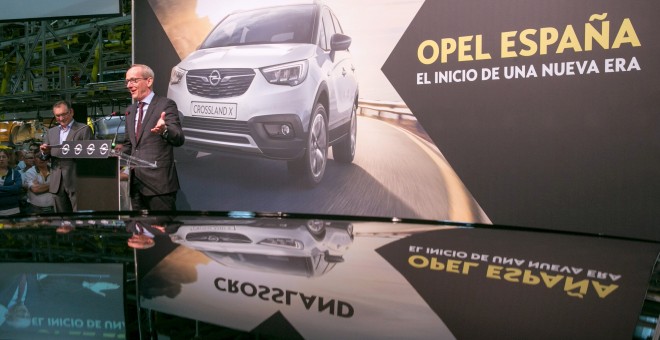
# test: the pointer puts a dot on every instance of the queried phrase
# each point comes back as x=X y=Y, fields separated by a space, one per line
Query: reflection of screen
x=313 y=265
x=53 y=300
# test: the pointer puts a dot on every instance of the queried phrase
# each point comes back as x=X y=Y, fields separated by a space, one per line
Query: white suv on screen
x=276 y=82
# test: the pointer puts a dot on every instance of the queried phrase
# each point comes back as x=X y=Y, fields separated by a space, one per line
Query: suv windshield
x=275 y=25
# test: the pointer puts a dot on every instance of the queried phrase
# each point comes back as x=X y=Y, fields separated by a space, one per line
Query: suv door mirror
x=340 y=42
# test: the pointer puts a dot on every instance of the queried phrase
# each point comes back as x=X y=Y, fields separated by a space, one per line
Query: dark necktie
x=138 y=130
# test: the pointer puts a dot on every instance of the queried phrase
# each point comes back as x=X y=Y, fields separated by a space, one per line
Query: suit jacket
x=63 y=170
x=162 y=179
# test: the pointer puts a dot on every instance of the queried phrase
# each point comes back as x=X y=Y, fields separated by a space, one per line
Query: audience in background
x=37 y=180
x=18 y=160
x=28 y=160
x=34 y=148
x=11 y=186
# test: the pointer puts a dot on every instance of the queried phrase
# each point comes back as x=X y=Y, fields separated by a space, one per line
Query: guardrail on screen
x=384 y=109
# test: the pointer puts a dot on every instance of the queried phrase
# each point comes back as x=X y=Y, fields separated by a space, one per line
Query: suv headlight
x=177 y=74
x=291 y=74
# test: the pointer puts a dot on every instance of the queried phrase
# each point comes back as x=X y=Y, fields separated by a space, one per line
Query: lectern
x=97 y=170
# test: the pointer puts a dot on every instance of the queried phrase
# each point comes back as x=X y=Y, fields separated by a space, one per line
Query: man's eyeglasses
x=133 y=81
x=60 y=115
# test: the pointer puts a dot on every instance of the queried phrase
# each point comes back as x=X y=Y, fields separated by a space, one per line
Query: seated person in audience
x=37 y=180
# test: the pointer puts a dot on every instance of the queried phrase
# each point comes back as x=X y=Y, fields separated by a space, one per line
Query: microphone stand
x=114 y=114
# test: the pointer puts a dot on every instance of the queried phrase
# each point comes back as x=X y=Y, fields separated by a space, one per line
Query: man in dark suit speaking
x=153 y=128
x=63 y=170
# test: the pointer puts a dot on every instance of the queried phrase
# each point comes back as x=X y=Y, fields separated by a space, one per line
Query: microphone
x=114 y=139
x=113 y=114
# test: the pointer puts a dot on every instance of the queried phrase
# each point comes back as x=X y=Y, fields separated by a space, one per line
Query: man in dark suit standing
x=153 y=130
x=63 y=170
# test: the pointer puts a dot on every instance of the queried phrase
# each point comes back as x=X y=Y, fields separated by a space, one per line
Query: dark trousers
x=165 y=202
x=65 y=201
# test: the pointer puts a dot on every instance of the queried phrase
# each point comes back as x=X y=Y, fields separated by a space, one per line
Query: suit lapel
x=54 y=136
x=69 y=136
x=130 y=121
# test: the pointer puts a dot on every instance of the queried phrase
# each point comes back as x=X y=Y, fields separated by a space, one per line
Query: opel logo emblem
x=65 y=149
x=104 y=148
x=78 y=149
x=90 y=149
x=215 y=77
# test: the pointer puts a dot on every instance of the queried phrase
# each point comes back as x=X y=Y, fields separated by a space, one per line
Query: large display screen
x=540 y=114
x=61 y=301
x=34 y=9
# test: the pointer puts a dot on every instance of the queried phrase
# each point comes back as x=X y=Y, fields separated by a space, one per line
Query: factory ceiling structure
x=79 y=59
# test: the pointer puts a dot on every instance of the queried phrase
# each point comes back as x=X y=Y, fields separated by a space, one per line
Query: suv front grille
x=218 y=236
x=218 y=125
x=229 y=82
